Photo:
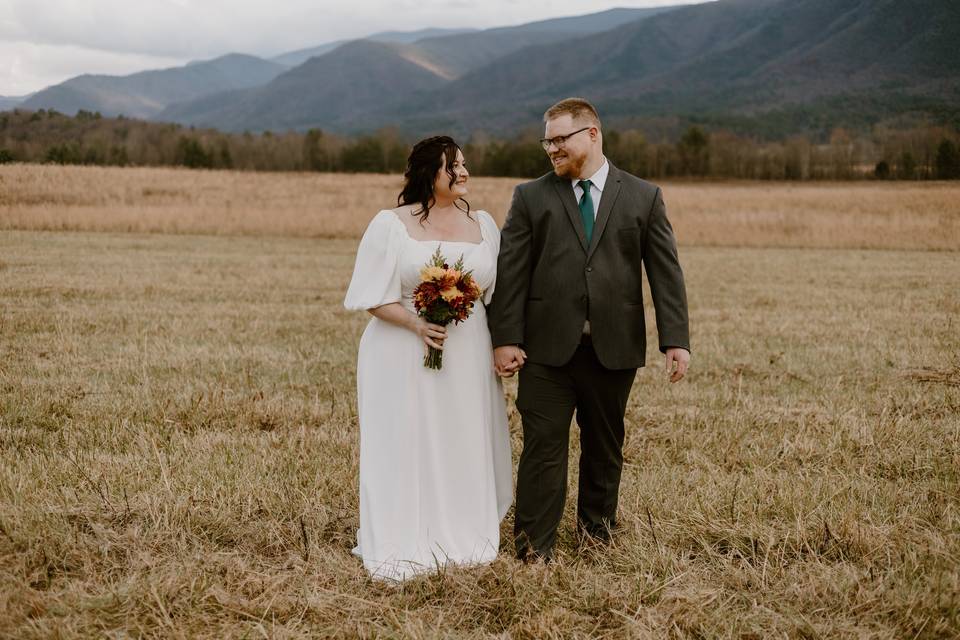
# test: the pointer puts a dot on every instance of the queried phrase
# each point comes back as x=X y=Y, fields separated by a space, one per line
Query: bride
x=435 y=468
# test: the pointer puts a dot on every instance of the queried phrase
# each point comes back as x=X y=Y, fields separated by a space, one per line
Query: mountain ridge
x=447 y=57
x=299 y=56
x=757 y=66
x=283 y=102
x=145 y=93
x=774 y=55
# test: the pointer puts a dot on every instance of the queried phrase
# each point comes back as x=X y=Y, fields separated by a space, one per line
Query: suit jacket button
x=589 y=268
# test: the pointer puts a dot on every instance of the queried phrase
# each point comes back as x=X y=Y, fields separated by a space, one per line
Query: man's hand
x=681 y=357
x=508 y=360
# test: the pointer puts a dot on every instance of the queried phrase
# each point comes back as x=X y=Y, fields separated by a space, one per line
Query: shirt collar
x=599 y=178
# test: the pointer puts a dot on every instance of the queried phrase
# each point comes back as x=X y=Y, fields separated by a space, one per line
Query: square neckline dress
x=435 y=463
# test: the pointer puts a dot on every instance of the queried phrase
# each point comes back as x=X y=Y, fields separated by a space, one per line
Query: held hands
x=508 y=360
x=680 y=357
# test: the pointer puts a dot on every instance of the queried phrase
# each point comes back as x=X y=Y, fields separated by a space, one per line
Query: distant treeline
x=918 y=152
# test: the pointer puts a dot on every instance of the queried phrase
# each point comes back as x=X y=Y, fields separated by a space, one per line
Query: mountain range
x=145 y=94
x=298 y=57
x=11 y=102
x=751 y=60
x=221 y=81
x=763 y=66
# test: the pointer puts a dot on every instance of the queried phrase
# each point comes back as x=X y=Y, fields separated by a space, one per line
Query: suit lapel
x=611 y=189
x=565 y=193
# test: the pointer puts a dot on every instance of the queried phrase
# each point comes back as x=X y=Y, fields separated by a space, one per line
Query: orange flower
x=451 y=293
x=431 y=274
x=447 y=280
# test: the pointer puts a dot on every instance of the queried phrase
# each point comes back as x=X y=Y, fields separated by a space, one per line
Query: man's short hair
x=577 y=108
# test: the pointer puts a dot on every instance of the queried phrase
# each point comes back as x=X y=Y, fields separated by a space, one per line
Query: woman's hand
x=432 y=335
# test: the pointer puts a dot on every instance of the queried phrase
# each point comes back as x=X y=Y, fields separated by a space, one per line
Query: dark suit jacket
x=549 y=281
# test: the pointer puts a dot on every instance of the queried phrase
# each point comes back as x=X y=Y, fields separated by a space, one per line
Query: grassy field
x=179 y=445
x=858 y=215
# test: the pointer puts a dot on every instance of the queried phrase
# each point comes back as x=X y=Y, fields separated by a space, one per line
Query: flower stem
x=433 y=359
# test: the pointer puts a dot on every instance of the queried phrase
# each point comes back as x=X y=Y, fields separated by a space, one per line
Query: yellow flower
x=430 y=273
x=450 y=294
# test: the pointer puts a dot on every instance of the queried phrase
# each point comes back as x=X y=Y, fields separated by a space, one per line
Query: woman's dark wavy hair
x=424 y=162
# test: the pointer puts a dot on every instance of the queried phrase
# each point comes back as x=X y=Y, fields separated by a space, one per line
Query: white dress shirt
x=597 y=180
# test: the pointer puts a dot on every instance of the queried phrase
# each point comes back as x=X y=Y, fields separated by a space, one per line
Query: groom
x=567 y=313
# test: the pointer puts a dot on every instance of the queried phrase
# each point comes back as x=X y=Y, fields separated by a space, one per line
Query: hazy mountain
x=295 y=58
x=327 y=81
x=354 y=78
x=11 y=102
x=460 y=50
x=762 y=66
x=146 y=93
x=587 y=23
x=462 y=53
x=731 y=59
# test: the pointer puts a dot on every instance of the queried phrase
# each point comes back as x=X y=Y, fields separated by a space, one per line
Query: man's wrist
x=665 y=348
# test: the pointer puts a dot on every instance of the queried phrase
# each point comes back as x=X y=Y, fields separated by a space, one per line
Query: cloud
x=185 y=28
x=158 y=28
x=26 y=67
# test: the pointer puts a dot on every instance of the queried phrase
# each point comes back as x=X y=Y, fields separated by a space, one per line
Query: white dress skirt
x=435 y=467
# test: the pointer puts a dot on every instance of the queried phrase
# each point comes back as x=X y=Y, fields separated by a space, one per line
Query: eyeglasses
x=559 y=141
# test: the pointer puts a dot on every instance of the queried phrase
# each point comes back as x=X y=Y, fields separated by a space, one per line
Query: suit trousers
x=547 y=399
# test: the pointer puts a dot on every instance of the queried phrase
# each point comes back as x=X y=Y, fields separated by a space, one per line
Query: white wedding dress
x=435 y=467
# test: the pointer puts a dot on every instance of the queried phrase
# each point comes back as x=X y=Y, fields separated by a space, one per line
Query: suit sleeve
x=666 y=279
x=508 y=307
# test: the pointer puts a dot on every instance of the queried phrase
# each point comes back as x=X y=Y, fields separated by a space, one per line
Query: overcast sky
x=43 y=42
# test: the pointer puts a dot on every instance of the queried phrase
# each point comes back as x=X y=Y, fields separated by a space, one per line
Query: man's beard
x=571 y=169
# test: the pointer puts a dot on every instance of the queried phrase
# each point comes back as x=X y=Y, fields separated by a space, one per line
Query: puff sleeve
x=491 y=233
x=376 y=276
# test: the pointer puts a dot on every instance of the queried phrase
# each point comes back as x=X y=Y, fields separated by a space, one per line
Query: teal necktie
x=586 y=209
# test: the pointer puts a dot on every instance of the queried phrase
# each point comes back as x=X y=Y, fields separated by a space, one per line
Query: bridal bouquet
x=444 y=295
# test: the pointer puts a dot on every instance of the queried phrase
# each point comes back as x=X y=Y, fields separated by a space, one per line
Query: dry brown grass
x=179 y=453
x=208 y=202
x=823 y=215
